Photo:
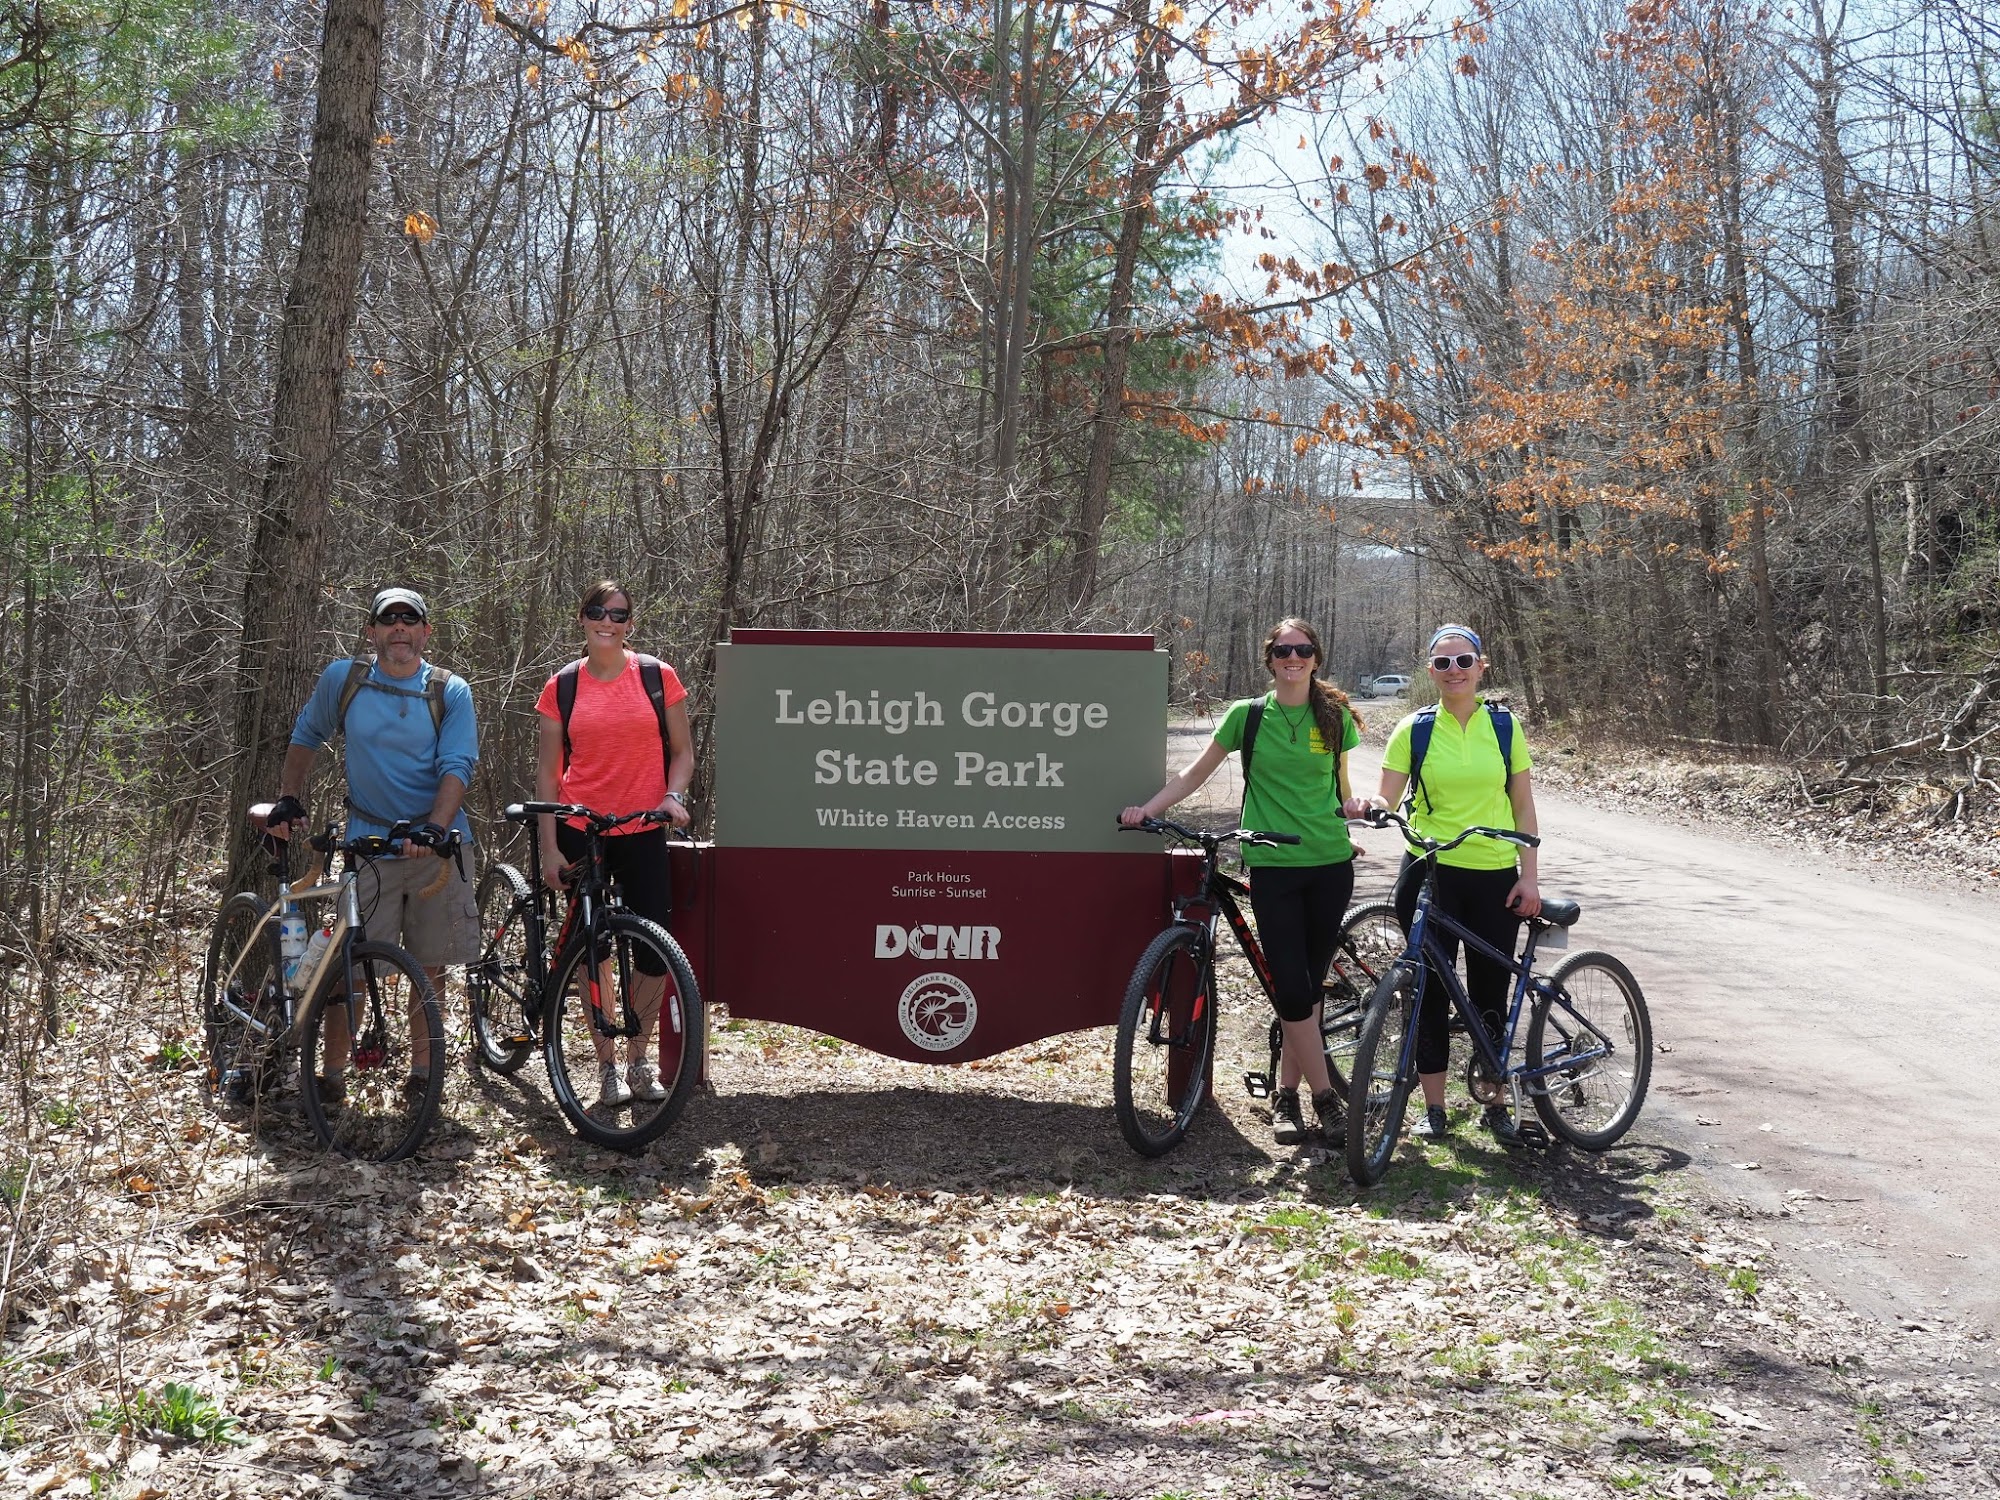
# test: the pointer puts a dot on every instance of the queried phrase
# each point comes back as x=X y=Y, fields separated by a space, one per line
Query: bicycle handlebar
x=1196 y=836
x=1382 y=817
x=522 y=812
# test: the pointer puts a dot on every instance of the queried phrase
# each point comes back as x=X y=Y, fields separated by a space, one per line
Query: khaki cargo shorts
x=439 y=929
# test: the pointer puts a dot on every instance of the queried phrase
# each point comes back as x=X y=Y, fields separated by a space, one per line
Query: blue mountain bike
x=1585 y=1057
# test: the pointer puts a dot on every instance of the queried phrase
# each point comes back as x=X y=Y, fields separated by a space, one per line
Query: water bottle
x=315 y=950
x=292 y=940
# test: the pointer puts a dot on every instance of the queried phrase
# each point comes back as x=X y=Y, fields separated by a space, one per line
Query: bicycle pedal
x=1535 y=1137
x=1257 y=1085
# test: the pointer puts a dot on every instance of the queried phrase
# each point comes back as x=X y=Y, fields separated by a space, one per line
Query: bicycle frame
x=1424 y=953
x=595 y=889
x=1224 y=896
x=347 y=927
x=347 y=920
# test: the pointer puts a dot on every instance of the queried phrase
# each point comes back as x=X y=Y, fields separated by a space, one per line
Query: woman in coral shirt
x=616 y=763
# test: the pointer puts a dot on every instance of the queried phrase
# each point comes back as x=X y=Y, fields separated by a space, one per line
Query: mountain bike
x=1166 y=1030
x=355 y=1020
x=613 y=972
x=1586 y=1055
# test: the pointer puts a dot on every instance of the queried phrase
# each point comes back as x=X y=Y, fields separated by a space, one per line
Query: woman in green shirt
x=1465 y=782
x=1297 y=783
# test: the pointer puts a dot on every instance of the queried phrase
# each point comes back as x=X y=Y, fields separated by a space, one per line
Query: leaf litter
x=845 y=1275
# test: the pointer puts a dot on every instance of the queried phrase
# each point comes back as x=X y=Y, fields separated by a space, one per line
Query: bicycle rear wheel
x=1384 y=1073
x=363 y=1093
x=584 y=997
x=244 y=970
x=1166 y=1042
x=500 y=987
x=1593 y=1029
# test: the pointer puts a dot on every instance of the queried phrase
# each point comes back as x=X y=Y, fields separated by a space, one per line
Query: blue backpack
x=1421 y=729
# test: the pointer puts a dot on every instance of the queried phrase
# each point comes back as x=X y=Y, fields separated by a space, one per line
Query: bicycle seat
x=1560 y=913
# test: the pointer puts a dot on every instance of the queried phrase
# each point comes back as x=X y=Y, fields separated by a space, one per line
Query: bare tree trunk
x=1107 y=420
x=274 y=664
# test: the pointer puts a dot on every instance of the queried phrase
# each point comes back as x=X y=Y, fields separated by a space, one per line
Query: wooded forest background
x=1659 y=339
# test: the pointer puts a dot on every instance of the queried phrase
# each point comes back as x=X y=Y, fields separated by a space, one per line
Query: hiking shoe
x=416 y=1085
x=1500 y=1125
x=645 y=1081
x=1332 y=1117
x=1434 y=1126
x=1288 y=1125
x=612 y=1091
x=332 y=1091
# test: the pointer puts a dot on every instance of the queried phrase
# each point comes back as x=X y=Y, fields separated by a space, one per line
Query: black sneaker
x=1434 y=1126
x=1332 y=1117
x=1500 y=1125
x=1288 y=1125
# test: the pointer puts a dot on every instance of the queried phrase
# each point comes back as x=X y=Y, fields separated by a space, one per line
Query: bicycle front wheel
x=1591 y=1028
x=372 y=1059
x=1384 y=1073
x=500 y=987
x=616 y=1090
x=244 y=972
x=1166 y=1042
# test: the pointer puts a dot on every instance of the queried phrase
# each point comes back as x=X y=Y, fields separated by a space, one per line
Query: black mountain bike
x=1166 y=1031
x=615 y=976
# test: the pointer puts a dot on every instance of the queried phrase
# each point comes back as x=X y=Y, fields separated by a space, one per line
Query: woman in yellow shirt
x=1488 y=886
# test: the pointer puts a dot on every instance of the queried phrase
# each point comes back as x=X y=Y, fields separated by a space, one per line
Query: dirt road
x=1828 y=1040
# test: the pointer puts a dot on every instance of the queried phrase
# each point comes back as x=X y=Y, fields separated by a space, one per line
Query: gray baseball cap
x=389 y=598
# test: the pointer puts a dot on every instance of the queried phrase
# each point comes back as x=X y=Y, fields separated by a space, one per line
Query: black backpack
x=357 y=678
x=652 y=672
x=1425 y=724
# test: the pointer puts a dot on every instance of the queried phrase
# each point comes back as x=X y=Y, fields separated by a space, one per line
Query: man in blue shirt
x=402 y=763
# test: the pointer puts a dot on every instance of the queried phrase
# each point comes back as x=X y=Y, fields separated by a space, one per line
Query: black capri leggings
x=638 y=862
x=1478 y=900
x=1299 y=910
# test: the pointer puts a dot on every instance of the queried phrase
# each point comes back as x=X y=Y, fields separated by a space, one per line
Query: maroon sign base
x=931 y=957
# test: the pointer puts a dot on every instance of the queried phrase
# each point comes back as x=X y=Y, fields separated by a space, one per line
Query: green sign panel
x=943 y=743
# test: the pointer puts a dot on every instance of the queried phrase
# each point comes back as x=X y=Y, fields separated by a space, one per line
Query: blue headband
x=1444 y=630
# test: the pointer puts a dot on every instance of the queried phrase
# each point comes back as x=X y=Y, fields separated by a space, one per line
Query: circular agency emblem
x=938 y=1011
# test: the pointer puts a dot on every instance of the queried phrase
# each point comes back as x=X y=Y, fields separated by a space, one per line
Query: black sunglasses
x=1465 y=661
x=606 y=612
x=399 y=617
x=1307 y=651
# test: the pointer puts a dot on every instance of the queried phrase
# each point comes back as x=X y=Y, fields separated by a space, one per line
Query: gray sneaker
x=645 y=1080
x=1434 y=1126
x=611 y=1090
x=1288 y=1124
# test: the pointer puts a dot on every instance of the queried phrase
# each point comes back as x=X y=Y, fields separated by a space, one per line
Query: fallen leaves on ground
x=843 y=1275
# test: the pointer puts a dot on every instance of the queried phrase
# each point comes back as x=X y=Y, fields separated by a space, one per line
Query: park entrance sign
x=916 y=845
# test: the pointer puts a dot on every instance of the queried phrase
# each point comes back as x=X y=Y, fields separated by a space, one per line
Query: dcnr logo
x=936 y=942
